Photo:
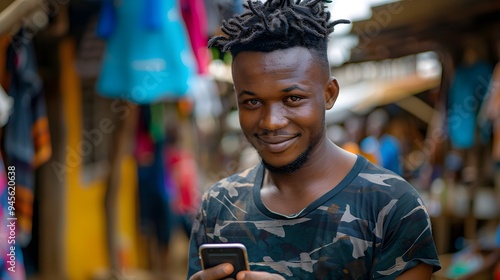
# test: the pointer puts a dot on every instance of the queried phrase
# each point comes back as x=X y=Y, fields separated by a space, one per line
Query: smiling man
x=309 y=210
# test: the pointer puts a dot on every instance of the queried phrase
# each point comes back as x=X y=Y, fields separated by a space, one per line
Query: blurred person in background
x=383 y=148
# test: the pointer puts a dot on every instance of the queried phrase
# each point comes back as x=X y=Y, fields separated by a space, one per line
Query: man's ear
x=331 y=93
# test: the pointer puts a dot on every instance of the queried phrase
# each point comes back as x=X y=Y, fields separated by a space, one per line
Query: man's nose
x=273 y=117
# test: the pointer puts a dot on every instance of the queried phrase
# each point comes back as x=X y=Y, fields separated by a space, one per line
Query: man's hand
x=223 y=270
x=258 y=275
x=214 y=273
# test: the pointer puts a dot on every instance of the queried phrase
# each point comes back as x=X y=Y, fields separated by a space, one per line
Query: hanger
x=13 y=14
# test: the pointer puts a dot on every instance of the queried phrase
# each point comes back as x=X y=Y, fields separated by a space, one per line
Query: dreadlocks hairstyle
x=277 y=24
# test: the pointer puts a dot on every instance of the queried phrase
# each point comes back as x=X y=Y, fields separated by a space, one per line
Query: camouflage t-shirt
x=372 y=225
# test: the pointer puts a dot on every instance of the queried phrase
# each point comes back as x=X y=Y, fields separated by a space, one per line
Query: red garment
x=195 y=19
x=492 y=105
x=184 y=172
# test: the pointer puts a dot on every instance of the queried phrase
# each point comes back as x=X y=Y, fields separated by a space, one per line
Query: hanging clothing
x=185 y=195
x=195 y=18
x=148 y=57
x=154 y=183
x=26 y=135
x=466 y=95
x=10 y=268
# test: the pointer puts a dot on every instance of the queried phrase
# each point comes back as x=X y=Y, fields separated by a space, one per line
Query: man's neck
x=290 y=193
x=319 y=165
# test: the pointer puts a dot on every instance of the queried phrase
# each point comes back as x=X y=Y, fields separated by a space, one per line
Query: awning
x=363 y=97
x=411 y=26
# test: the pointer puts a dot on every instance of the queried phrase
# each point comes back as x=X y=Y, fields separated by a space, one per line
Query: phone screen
x=233 y=253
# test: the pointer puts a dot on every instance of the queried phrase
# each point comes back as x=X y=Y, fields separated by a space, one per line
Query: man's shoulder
x=231 y=193
x=242 y=179
x=378 y=177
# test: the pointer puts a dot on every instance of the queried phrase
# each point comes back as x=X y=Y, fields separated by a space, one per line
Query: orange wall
x=85 y=225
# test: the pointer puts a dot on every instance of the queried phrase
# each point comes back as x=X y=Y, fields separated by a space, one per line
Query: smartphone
x=212 y=254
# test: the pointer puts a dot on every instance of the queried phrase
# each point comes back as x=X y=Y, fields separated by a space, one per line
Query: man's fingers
x=258 y=275
x=217 y=272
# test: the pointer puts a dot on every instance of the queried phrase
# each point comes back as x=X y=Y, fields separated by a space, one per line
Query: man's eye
x=294 y=98
x=252 y=102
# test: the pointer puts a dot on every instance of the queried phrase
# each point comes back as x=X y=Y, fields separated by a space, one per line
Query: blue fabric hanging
x=467 y=92
x=152 y=17
x=144 y=64
x=107 y=19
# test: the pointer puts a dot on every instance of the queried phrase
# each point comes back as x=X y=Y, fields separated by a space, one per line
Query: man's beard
x=291 y=167
x=295 y=165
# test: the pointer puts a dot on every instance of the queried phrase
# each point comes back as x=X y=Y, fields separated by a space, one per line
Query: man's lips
x=276 y=144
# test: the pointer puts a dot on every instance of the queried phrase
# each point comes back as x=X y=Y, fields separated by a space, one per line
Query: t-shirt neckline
x=259 y=179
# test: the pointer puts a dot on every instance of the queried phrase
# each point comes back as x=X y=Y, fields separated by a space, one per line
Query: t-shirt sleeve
x=407 y=239
x=198 y=237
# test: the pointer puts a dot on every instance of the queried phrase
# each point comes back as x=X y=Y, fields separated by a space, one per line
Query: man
x=309 y=210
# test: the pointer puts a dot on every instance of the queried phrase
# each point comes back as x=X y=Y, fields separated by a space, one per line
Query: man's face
x=281 y=102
